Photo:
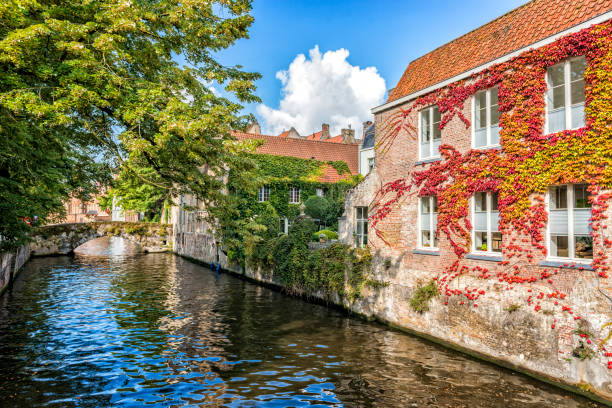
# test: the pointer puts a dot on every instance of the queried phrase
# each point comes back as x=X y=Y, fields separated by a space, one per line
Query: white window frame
x=488 y=126
x=320 y=192
x=571 y=246
x=292 y=192
x=432 y=154
x=489 y=251
x=433 y=227
x=370 y=164
x=263 y=194
x=361 y=240
x=568 y=96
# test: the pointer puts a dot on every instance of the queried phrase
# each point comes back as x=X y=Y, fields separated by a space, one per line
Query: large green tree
x=89 y=85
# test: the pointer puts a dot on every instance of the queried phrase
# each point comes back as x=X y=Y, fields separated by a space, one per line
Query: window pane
x=494 y=135
x=577 y=91
x=493 y=201
x=435 y=243
x=581 y=221
x=425 y=126
x=425 y=205
x=581 y=196
x=359 y=229
x=481 y=201
x=437 y=133
x=577 y=116
x=496 y=238
x=435 y=204
x=425 y=149
x=425 y=239
x=583 y=247
x=480 y=221
x=558 y=246
x=480 y=137
x=556 y=74
x=577 y=67
x=557 y=97
x=558 y=197
x=480 y=110
x=494 y=107
x=425 y=221
x=480 y=241
x=558 y=221
x=556 y=121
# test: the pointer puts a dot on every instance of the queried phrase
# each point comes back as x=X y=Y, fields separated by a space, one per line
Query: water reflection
x=113 y=326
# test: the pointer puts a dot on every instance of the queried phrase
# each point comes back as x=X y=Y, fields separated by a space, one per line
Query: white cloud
x=324 y=88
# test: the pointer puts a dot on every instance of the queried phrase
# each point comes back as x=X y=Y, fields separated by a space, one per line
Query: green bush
x=422 y=296
x=317 y=208
x=328 y=235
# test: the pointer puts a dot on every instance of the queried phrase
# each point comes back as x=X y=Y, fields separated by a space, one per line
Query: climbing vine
x=528 y=162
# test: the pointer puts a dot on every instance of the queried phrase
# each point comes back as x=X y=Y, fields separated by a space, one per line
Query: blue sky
x=386 y=35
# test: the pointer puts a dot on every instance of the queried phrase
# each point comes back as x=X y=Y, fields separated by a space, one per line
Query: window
x=569 y=233
x=320 y=192
x=486 y=118
x=370 y=164
x=264 y=194
x=428 y=222
x=430 y=134
x=294 y=195
x=565 y=99
x=361 y=226
x=284 y=225
x=486 y=236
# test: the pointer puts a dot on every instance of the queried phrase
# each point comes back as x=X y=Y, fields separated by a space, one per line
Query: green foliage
x=513 y=308
x=422 y=295
x=328 y=235
x=583 y=352
x=89 y=87
x=317 y=208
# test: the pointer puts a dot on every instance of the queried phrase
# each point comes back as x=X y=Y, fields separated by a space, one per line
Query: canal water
x=114 y=327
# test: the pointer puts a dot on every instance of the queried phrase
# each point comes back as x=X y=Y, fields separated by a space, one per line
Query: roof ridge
x=300 y=139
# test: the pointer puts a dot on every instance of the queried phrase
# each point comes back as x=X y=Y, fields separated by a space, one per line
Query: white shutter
x=581 y=221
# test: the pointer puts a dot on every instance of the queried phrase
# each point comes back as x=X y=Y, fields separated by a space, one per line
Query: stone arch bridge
x=63 y=239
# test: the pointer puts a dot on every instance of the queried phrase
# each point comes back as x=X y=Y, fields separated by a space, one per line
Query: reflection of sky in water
x=113 y=326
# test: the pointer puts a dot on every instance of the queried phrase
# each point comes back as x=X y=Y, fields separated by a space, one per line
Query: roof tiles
x=309 y=149
x=516 y=29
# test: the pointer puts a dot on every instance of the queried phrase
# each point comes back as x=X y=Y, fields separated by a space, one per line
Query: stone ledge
x=432 y=160
x=426 y=252
x=567 y=265
x=490 y=258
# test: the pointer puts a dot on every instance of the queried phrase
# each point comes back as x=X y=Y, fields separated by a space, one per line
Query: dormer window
x=430 y=135
x=486 y=118
x=565 y=97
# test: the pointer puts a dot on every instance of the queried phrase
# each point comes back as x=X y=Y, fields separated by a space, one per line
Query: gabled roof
x=309 y=149
x=519 y=28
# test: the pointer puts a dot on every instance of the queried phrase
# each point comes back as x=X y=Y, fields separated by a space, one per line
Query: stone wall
x=63 y=239
x=11 y=263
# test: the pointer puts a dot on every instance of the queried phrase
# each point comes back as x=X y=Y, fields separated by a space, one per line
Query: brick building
x=455 y=125
x=193 y=235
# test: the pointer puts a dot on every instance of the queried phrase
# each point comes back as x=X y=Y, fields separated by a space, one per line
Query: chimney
x=366 y=125
x=324 y=131
x=348 y=135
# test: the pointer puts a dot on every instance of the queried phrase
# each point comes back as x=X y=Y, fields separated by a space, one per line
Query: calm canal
x=111 y=327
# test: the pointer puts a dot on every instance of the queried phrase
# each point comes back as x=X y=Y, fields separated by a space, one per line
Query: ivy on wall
x=528 y=162
x=256 y=238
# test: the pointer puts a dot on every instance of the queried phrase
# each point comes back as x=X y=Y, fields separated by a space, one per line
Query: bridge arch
x=63 y=239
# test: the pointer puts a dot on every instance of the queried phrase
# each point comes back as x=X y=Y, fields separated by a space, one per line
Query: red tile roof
x=284 y=134
x=309 y=149
x=516 y=29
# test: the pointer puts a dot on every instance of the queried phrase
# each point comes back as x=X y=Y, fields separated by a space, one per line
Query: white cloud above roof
x=323 y=88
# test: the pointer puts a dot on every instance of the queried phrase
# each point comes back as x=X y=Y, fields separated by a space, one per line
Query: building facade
x=492 y=183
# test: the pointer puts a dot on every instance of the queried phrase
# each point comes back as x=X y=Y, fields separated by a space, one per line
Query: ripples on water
x=113 y=327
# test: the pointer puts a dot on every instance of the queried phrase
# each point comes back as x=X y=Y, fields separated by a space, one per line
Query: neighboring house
x=346 y=136
x=366 y=149
x=293 y=169
x=80 y=211
x=491 y=165
x=118 y=214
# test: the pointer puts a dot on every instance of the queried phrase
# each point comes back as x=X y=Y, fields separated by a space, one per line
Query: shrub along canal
x=110 y=326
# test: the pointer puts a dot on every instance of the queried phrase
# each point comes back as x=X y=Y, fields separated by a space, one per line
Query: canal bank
x=132 y=329
x=496 y=328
